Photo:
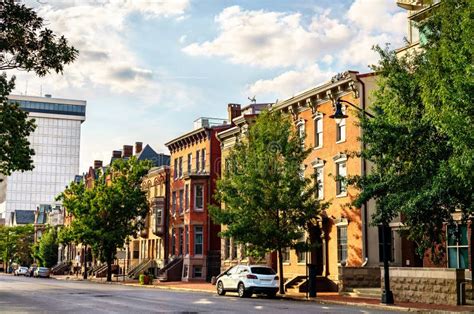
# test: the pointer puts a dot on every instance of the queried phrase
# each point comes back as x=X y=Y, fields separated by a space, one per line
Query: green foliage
x=24 y=45
x=47 y=250
x=15 y=151
x=421 y=140
x=16 y=243
x=268 y=204
x=110 y=211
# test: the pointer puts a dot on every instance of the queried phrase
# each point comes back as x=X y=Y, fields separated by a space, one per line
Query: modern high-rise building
x=56 y=142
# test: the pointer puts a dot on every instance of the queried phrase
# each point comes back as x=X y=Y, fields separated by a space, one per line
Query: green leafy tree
x=107 y=213
x=268 y=203
x=48 y=248
x=25 y=44
x=421 y=139
x=16 y=243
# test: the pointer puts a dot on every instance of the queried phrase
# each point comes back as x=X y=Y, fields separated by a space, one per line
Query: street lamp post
x=387 y=295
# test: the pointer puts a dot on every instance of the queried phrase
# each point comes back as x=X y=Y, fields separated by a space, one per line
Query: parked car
x=247 y=280
x=31 y=271
x=42 y=272
x=21 y=271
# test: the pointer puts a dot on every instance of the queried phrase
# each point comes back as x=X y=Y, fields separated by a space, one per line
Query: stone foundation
x=358 y=277
x=425 y=285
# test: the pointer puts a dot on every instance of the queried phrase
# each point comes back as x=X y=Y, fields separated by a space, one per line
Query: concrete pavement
x=32 y=295
x=323 y=298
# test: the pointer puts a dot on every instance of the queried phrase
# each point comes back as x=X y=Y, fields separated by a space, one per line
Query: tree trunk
x=109 y=270
x=280 y=270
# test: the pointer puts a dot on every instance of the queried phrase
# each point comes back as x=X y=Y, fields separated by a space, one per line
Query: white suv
x=247 y=280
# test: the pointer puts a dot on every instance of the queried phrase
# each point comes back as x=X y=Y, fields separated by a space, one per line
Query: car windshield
x=43 y=268
x=262 y=271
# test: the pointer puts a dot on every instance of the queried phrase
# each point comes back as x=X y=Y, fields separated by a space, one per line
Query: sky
x=148 y=69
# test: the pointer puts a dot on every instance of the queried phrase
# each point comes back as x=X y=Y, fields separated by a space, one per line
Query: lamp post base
x=387 y=297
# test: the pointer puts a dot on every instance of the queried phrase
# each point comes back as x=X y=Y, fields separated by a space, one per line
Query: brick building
x=195 y=167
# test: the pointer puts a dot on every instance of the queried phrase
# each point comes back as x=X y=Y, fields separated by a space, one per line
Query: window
x=286 y=254
x=198 y=243
x=341 y=128
x=175 y=171
x=180 y=167
x=186 y=197
x=318 y=131
x=342 y=243
x=186 y=240
x=190 y=162
x=197 y=271
x=234 y=249
x=203 y=160
x=198 y=197
x=301 y=255
x=389 y=238
x=301 y=131
x=197 y=161
x=341 y=173
x=226 y=248
x=181 y=201
x=159 y=216
x=180 y=235
x=458 y=252
x=319 y=176
x=173 y=242
x=173 y=202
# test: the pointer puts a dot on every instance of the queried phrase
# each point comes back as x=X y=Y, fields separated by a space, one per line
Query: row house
x=195 y=167
x=149 y=243
x=347 y=240
x=241 y=118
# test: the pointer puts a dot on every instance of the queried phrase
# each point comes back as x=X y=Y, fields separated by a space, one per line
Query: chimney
x=116 y=154
x=233 y=111
x=97 y=164
x=127 y=151
x=138 y=147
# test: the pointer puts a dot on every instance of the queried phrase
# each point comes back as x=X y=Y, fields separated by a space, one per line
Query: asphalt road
x=34 y=295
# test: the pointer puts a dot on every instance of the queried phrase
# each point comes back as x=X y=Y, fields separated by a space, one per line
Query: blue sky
x=147 y=69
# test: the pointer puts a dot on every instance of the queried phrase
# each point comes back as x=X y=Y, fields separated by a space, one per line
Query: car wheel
x=241 y=291
x=220 y=288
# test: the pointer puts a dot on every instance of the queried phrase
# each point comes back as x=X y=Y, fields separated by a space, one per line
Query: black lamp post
x=387 y=295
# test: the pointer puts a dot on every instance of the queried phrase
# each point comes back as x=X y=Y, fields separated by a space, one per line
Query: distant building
x=22 y=217
x=56 y=142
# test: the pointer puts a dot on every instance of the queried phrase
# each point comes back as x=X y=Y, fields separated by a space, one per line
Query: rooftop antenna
x=26 y=88
x=41 y=89
x=252 y=100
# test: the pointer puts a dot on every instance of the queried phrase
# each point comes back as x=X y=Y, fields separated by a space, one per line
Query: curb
x=285 y=297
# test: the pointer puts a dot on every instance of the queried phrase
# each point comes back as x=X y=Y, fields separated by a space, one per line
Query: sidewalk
x=322 y=297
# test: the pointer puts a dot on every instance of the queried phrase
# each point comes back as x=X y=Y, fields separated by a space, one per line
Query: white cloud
x=182 y=39
x=98 y=28
x=378 y=16
x=289 y=83
x=271 y=39
x=279 y=39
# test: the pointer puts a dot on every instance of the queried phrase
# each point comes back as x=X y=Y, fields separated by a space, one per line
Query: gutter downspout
x=365 y=244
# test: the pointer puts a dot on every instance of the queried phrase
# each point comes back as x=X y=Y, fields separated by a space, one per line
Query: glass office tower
x=56 y=142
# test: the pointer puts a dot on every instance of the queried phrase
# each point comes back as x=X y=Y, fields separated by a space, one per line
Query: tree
x=48 y=248
x=268 y=203
x=27 y=46
x=16 y=243
x=110 y=211
x=421 y=139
